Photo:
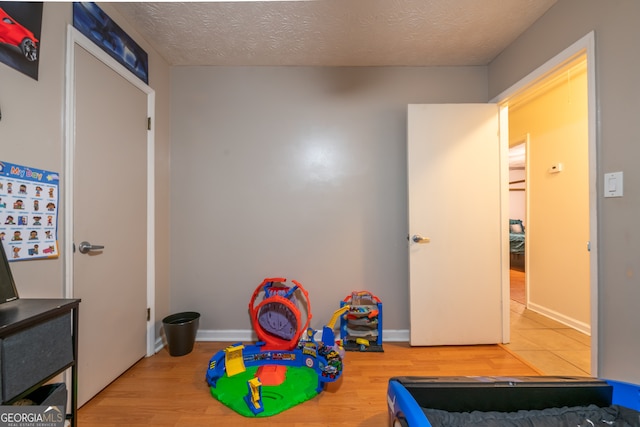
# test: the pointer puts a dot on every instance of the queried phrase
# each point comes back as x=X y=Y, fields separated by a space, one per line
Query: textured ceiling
x=333 y=32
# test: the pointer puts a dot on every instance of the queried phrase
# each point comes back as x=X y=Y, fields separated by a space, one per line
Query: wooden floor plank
x=171 y=391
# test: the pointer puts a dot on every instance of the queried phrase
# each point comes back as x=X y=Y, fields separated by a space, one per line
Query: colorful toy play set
x=287 y=366
x=361 y=328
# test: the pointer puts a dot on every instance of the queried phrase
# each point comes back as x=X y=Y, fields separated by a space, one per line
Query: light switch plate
x=613 y=184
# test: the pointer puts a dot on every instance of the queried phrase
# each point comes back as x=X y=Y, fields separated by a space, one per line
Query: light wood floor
x=553 y=348
x=171 y=391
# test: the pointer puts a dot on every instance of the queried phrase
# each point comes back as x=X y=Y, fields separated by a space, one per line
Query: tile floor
x=551 y=347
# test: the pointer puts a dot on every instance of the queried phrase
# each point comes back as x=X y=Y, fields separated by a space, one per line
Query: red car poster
x=20 y=25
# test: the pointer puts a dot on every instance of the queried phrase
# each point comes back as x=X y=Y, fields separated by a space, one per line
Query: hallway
x=550 y=346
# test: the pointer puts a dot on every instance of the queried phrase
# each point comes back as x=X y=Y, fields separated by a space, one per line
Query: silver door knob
x=419 y=239
x=86 y=247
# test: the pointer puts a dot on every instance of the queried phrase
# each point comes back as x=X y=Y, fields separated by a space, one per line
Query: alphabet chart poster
x=28 y=212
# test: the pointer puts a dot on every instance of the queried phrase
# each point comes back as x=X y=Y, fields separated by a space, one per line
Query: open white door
x=455 y=251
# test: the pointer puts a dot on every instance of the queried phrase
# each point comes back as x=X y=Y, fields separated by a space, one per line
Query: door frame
x=585 y=45
x=74 y=37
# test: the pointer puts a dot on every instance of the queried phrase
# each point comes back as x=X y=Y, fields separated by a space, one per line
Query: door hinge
x=148 y=314
x=148 y=123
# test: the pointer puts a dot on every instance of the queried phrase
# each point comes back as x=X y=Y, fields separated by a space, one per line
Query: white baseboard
x=248 y=335
x=558 y=317
x=395 y=335
x=233 y=335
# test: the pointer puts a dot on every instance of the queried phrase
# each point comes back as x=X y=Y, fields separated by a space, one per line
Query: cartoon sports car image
x=14 y=34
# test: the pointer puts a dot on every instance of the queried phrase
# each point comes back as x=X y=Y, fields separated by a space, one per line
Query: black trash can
x=180 y=330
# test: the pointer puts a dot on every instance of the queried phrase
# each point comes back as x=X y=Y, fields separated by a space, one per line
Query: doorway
x=517 y=219
x=554 y=178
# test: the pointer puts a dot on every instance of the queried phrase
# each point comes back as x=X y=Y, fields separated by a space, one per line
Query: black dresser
x=38 y=341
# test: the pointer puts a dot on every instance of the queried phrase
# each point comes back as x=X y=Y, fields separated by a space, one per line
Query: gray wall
x=32 y=134
x=617 y=70
x=295 y=172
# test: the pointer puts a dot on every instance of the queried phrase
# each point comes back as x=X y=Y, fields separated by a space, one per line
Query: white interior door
x=455 y=206
x=110 y=210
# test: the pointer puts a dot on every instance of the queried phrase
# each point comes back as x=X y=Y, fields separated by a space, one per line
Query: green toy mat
x=299 y=386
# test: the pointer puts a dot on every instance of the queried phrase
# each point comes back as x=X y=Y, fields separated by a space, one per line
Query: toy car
x=14 y=34
x=362 y=343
